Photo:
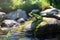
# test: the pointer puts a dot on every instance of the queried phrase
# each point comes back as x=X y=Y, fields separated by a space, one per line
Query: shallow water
x=4 y=37
x=20 y=36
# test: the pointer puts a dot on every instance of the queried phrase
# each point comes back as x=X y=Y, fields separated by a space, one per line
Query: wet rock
x=2 y=16
x=50 y=12
x=10 y=23
x=21 y=20
x=4 y=30
x=52 y=16
x=17 y=14
x=35 y=11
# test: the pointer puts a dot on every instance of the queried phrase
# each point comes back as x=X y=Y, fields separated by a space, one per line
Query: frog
x=37 y=19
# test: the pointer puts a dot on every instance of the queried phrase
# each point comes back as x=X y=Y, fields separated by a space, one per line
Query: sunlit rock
x=4 y=30
x=17 y=14
x=47 y=12
x=10 y=23
x=49 y=21
x=29 y=27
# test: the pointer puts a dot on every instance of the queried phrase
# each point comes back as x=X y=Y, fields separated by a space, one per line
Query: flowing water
x=16 y=36
x=4 y=37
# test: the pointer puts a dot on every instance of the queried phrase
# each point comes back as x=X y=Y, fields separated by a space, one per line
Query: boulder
x=50 y=24
x=49 y=28
x=50 y=12
x=17 y=14
x=4 y=30
x=10 y=23
x=51 y=20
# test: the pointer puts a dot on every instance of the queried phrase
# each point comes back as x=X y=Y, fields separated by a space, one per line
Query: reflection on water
x=4 y=37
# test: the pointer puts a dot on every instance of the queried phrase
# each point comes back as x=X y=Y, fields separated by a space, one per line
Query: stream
x=3 y=37
x=21 y=37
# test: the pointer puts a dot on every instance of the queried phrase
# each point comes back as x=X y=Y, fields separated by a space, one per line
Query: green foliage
x=36 y=16
x=5 y=5
x=28 y=5
x=55 y=3
x=44 y=4
x=35 y=4
x=10 y=5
